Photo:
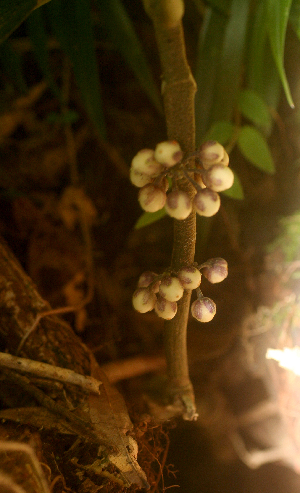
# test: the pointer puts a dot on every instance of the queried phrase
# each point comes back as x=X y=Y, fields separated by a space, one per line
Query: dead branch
x=44 y=370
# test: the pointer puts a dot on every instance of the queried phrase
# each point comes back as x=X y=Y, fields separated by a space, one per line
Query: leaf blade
x=208 y=59
x=253 y=107
x=277 y=19
x=71 y=22
x=220 y=131
x=236 y=191
x=255 y=149
x=230 y=69
x=149 y=217
x=121 y=33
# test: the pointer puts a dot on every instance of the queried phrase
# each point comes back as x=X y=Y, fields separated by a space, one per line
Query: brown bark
x=53 y=341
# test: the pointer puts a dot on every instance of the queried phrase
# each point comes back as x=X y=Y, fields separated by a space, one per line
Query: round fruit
x=152 y=198
x=206 y=202
x=143 y=300
x=190 y=277
x=168 y=153
x=171 y=288
x=165 y=309
x=203 y=309
x=178 y=204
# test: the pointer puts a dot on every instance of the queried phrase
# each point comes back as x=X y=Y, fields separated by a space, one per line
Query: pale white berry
x=203 y=309
x=139 y=179
x=168 y=153
x=218 y=178
x=152 y=198
x=178 y=204
x=143 y=300
x=171 y=288
x=165 y=309
x=210 y=153
x=206 y=202
x=190 y=277
x=144 y=162
x=146 y=279
x=215 y=270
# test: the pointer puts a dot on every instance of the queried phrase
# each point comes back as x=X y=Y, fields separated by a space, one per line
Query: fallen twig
x=44 y=370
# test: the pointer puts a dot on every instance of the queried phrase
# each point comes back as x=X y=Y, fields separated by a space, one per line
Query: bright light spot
x=287 y=358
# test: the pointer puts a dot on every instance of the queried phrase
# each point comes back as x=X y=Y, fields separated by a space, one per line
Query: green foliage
x=38 y=37
x=240 y=63
x=295 y=16
x=254 y=147
x=236 y=191
x=220 y=131
x=72 y=25
x=277 y=19
x=12 y=14
x=149 y=217
x=120 y=31
x=254 y=108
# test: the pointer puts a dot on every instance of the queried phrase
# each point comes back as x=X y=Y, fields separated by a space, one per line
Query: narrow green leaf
x=149 y=217
x=12 y=14
x=256 y=50
x=221 y=6
x=38 y=37
x=12 y=65
x=254 y=147
x=278 y=14
x=71 y=22
x=253 y=107
x=121 y=33
x=261 y=72
x=295 y=16
x=230 y=69
x=236 y=191
x=220 y=131
x=208 y=60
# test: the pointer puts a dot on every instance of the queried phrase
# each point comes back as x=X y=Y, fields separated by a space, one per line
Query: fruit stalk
x=178 y=90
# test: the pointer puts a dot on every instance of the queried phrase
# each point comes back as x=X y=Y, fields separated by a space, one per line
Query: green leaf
x=253 y=107
x=149 y=217
x=261 y=72
x=120 y=31
x=208 y=60
x=12 y=65
x=220 y=131
x=38 y=37
x=12 y=14
x=295 y=16
x=222 y=6
x=236 y=191
x=231 y=64
x=254 y=147
x=278 y=14
x=71 y=22
x=256 y=51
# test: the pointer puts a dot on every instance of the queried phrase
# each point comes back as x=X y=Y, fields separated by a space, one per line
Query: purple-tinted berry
x=215 y=270
x=206 y=202
x=203 y=309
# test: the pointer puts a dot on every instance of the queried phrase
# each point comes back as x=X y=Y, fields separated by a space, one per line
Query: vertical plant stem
x=178 y=90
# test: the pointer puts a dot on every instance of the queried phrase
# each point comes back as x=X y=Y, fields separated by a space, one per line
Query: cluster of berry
x=161 y=292
x=211 y=174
